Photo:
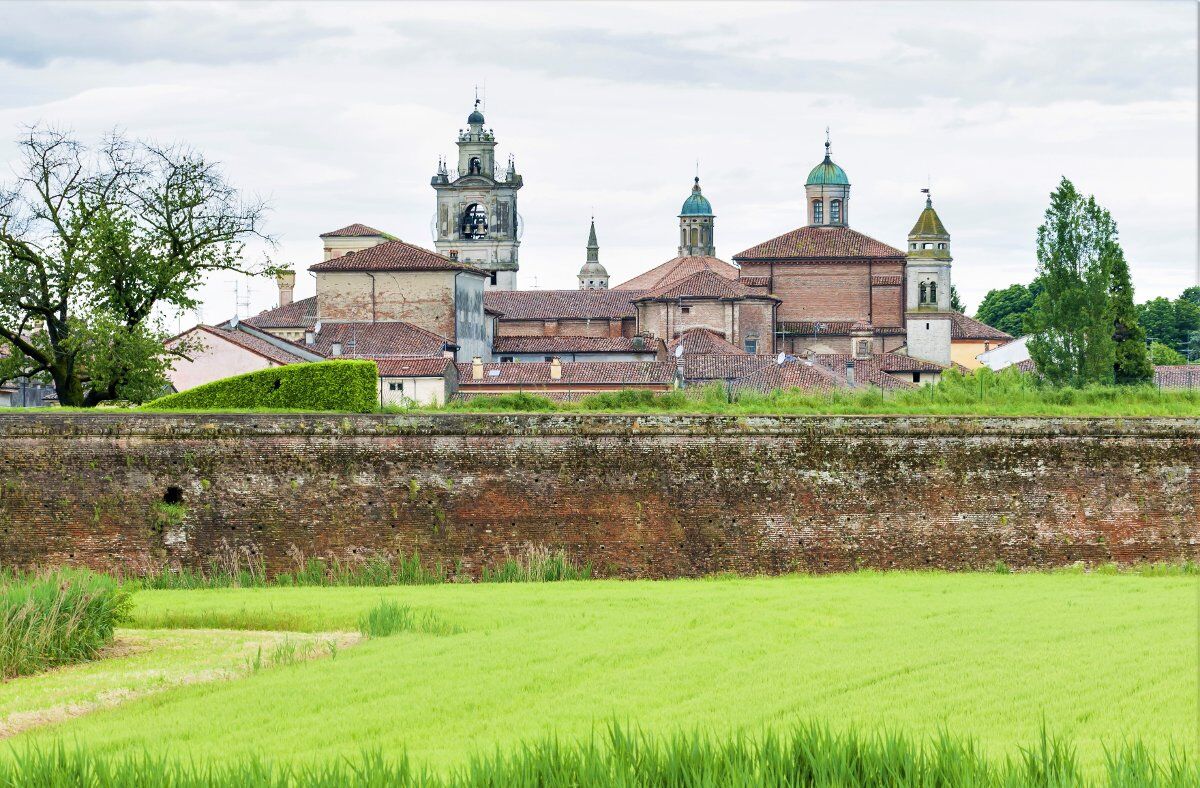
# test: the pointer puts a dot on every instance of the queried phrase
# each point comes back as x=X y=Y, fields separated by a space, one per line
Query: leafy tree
x=1192 y=294
x=1165 y=354
x=956 y=303
x=1076 y=322
x=1132 y=364
x=1157 y=316
x=95 y=244
x=1005 y=309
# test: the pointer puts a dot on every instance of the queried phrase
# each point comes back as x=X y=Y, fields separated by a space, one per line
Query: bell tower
x=927 y=297
x=696 y=225
x=593 y=275
x=476 y=216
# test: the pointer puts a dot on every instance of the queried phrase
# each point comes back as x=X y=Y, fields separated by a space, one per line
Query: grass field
x=1095 y=659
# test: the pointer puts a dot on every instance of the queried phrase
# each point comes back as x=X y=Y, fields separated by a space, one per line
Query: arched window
x=474 y=221
x=923 y=297
x=474 y=167
x=933 y=292
x=941 y=246
x=695 y=236
x=818 y=212
x=835 y=212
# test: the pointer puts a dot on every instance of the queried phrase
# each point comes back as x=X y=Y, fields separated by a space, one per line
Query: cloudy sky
x=337 y=113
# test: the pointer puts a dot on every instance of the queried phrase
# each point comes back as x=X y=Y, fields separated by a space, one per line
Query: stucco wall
x=654 y=496
x=215 y=359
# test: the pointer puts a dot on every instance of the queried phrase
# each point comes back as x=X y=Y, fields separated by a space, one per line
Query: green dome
x=697 y=204
x=475 y=117
x=827 y=174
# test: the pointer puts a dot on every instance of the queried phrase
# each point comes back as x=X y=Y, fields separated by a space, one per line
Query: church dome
x=827 y=174
x=475 y=117
x=697 y=204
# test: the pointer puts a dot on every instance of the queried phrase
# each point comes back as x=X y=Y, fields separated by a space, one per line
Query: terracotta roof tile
x=517 y=373
x=1177 y=376
x=356 y=230
x=393 y=256
x=678 y=268
x=254 y=344
x=819 y=243
x=834 y=328
x=413 y=367
x=887 y=362
x=702 y=284
x=878 y=280
x=561 y=304
x=702 y=367
x=377 y=340
x=569 y=344
x=703 y=340
x=755 y=281
x=298 y=314
x=963 y=327
x=793 y=374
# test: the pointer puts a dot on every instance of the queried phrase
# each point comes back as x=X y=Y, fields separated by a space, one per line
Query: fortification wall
x=644 y=496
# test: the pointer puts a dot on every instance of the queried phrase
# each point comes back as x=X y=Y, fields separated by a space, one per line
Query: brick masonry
x=639 y=496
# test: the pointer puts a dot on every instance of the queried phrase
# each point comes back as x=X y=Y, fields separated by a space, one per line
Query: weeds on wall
x=55 y=618
x=808 y=755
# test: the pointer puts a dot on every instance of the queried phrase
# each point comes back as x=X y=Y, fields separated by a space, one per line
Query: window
x=474 y=168
x=474 y=221
x=926 y=246
x=818 y=212
x=492 y=277
x=863 y=348
x=751 y=346
x=927 y=292
x=549 y=358
x=835 y=212
x=912 y=246
x=933 y=292
x=916 y=377
x=685 y=310
x=941 y=246
x=396 y=387
x=505 y=359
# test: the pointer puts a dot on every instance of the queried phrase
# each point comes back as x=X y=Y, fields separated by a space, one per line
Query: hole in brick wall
x=173 y=495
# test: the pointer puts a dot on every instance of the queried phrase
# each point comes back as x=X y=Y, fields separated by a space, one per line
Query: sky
x=337 y=113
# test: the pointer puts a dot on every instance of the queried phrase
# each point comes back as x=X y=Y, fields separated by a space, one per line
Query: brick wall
x=652 y=496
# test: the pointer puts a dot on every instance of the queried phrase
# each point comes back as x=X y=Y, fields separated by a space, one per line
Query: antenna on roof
x=679 y=350
x=782 y=357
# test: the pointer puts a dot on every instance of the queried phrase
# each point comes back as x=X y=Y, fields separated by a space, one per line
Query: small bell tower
x=696 y=225
x=593 y=276
x=927 y=298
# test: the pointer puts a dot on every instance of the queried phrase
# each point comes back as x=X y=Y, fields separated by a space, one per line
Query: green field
x=1097 y=659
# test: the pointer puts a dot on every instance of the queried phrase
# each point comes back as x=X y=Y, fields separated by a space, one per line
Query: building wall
x=337 y=246
x=473 y=329
x=215 y=359
x=626 y=327
x=657 y=495
x=929 y=337
x=964 y=351
x=732 y=319
x=423 y=391
x=423 y=298
x=833 y=291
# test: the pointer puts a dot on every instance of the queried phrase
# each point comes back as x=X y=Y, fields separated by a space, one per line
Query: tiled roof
x=963 y=327
x=719 y=366
x=393 y=256
x=567 y=344
x=755 y=281
x=678 y=268
x=817 y=243
x=703 y=340
x=887 y=362
x=1177 y=376
x=254 y=344
x=377 y=340
x=561 y=304
x=517 y=373
x=834 y=328
x=412 y=367
x=878 y=280
x=355 y=230
x=298 y=314
x=702 y=284
x=793 y=374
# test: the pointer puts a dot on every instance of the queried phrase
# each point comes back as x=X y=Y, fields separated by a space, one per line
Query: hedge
x=324 y=385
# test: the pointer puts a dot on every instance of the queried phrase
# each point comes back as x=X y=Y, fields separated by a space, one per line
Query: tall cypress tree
x=1071 y=321
x=1132 y=364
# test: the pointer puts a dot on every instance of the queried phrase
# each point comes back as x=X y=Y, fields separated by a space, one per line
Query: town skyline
x=607 y=123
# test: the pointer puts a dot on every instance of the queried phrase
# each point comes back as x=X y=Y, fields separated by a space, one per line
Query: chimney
x=335 y=348
x=850 y=372
x=310 y=338
x=287 y=283
x=453 y=254
x=556 y=368
x=477 y=368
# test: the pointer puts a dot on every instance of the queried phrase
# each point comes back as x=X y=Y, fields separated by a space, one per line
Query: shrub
x=491 y=403
x=346 y=385
x=57 y=618
x=536 y=565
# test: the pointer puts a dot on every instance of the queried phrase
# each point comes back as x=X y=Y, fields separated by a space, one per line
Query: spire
x=593 y=247
x=928 y=198
x=592 y=275
x=827 y=143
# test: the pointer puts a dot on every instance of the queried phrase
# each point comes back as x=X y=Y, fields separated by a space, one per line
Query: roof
x=929 y=224
x=256 y=345
x=702 y=284
x=561 y=304
x=356 y=230
x=818 y=243
x=827 y=173
x=517 y=373
x=793 y=374
x=298 y=314
x=412 y=367
x=835 y=328
x=703 y=340
x=888 y=362
x=963 y=327
x=881 y=280
x=377 y=340
x=720 y=366
x=393 y=256
x=755 y=281
x=566 y=344
x=678 y=268
x=1177 y=376
x=696 y=204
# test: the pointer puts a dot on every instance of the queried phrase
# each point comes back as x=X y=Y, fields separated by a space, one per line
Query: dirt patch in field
x=274 y=649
